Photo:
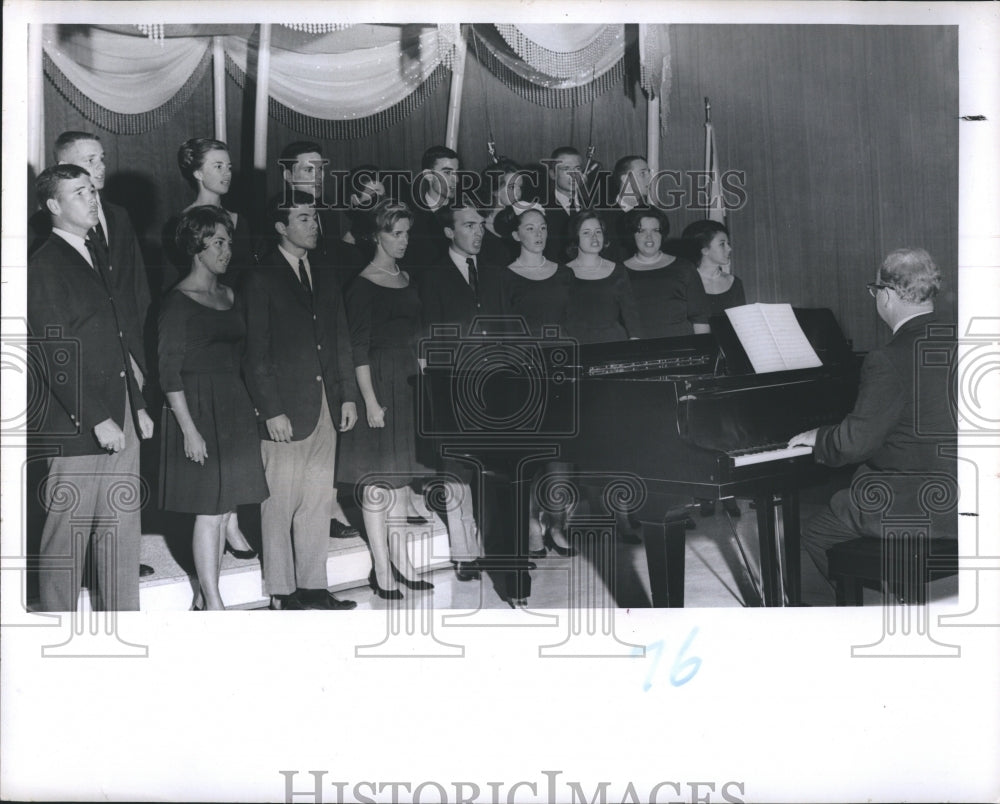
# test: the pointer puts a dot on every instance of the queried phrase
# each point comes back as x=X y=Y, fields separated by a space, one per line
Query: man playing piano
x=882 y=432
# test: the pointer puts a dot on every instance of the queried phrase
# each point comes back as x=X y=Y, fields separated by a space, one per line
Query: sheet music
x=772 y=338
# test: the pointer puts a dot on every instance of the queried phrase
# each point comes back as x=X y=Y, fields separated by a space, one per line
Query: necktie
x=304 y=278
x=101 y=239
x=473 y=278
x=98 y=257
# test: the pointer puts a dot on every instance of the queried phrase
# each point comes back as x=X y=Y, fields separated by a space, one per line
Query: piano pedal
x=707 y=507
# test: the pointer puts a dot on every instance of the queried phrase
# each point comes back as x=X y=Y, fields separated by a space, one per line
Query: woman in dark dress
x=601 y=306
x=206 y=165
x=383 y=313
x=210 y=459
x=537 y=291
x=667 y=289
x=710 y=240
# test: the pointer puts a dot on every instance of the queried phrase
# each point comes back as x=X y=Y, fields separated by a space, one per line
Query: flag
x=716 y=210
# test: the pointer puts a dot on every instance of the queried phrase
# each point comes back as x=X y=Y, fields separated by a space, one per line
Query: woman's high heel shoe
x=242 y=554
x=418 y=586
x=550 y=543
x=385 y=594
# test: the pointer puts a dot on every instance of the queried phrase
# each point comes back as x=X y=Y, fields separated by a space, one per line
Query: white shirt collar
x=460 y=262
x=565 y=200
x=293 y=261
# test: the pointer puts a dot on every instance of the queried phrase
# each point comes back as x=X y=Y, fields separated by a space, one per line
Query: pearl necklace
x=385 y=270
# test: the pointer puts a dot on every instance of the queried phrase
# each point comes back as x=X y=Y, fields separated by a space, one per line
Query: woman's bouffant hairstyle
x=508 y=219
x=576 y=222
x=702 y=233
x=196 y=227
x=191 y=154
x=380 y=218
x=632 y=220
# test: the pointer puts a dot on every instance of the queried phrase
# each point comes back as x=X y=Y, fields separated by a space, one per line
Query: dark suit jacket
x=448 y=299
x=68 y=302
x=903 y=414
x=296 y=348
x=557 y=221
x=427 y=245
x=127 y=277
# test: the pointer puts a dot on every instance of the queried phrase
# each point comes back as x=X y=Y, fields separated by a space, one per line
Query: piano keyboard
x=766 y=455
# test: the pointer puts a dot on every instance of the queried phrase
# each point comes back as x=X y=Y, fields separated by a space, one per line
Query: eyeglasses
x=875 y=287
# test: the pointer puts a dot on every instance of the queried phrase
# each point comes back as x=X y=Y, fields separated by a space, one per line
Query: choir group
x=286 y=351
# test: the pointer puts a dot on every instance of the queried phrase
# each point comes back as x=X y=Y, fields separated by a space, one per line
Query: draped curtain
x=327 y=83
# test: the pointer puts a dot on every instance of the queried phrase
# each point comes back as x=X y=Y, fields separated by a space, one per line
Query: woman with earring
x=205 y=164
x=210 y=460
x=380 y=455
x=537 y=291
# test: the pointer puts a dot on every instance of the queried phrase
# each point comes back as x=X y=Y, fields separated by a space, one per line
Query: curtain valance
x=122 y=83
x=333 y=84
x=556 y=66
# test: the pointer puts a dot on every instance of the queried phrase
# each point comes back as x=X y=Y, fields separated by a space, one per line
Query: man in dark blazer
x=127 y=269
x=453 y=292
x=127 y=276
x=432 y=190
x=301 y=379
x=563 y=199
x=883 y=432
x=91 y=407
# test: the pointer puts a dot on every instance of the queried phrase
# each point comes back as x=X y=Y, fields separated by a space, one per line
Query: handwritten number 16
x=683 y=670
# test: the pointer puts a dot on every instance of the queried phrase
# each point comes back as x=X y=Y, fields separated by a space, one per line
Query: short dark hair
x=701 y=234
x=622 y=168
x=632 y=219
x=47 y=182
x=191 y=154
x=294 y=150
x=279 y=210
x=446 y=214
x=433 y=154
x=68 y=139
x=576 y=222
x=565 y=150
x=197 y=225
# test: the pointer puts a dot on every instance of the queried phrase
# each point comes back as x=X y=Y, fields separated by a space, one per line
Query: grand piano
x=687 y=415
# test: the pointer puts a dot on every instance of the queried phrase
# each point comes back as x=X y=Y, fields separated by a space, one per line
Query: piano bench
x=857 y=563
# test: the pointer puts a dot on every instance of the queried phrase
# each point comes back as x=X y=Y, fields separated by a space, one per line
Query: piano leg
x=665 y=545
x=505 y=537
x=770 y=580
x=793 y=556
